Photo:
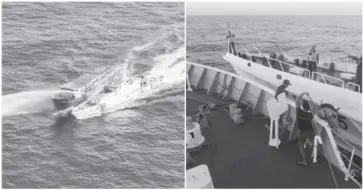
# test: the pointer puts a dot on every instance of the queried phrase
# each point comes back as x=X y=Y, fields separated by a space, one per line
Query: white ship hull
x=113 y=101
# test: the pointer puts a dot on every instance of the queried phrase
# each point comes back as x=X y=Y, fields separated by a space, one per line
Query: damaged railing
x=298 y=70
x=350 y=86
x=347 y=170
x=326 y=78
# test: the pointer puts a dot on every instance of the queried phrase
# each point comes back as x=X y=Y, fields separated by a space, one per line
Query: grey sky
x=271 y=8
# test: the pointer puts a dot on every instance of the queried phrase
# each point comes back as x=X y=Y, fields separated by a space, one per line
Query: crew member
x=282 y=88
x=358 y=74
x=303 y=123
x=231 y=46
x=107 y=89
x=313 y=59
x=142 y=82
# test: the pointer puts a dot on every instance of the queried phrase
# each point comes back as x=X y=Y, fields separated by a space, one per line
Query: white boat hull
x=119 y=99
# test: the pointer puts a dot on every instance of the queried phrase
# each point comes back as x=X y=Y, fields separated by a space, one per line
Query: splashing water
x=28 y=102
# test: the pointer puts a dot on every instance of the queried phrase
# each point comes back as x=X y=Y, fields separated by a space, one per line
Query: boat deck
x=238 y=156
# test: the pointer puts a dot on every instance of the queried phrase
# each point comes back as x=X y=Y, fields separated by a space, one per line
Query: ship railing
x=248 y=53
x=283 y=52
x=261 y=54
x=349 y=173
x=351 y=86
x=299 y=70
x=326 y=78
x=303 y=72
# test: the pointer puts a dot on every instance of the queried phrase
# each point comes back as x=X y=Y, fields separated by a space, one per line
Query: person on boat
x=313 y=59
x=304 y=117
x=282 y=88
x=142 y=81
x=107 y=89
x=189 y=125
x=230 y=37
x=358 y=73
x=202 y=114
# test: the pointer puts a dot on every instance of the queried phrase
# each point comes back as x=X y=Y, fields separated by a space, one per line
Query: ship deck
x=238 y=156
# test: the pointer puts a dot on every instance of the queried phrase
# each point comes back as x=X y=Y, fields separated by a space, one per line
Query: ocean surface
x=49 y=44
x=333 y=36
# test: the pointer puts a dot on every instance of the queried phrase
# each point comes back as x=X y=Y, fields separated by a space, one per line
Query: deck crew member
x=303 y=123
x=313 y=59
x=143 y=81
x=107 y=89
x=358 y=73
x=282 y=88
x=189 y=125
x=231 y=46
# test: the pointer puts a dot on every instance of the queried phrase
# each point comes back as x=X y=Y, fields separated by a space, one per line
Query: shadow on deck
x=239 y=156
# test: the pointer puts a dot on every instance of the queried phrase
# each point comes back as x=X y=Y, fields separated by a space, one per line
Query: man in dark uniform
x=231 y=46
x=358 y=74
x=303 y=123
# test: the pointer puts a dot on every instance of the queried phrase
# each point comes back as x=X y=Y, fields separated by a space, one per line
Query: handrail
x=283 y=52
x=248 y=53
x=263 y=56
x=294 y=66
x=337 y=153
x=353 y=84
x=323 y=76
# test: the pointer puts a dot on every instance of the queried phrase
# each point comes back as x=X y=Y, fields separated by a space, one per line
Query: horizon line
x=262 y=15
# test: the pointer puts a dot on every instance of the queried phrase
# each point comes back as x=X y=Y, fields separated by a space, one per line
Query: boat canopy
x=78 y=83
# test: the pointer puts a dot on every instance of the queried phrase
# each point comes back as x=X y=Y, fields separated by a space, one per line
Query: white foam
x=28 y=102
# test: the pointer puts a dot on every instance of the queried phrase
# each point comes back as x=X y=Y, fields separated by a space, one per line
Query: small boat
x=74 y=92
x=130 y=89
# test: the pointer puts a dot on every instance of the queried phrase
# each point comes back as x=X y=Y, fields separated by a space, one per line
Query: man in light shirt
x=313 y=59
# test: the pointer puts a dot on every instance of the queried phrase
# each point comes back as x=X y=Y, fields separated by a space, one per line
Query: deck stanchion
x=317 y=140
x=274 y=141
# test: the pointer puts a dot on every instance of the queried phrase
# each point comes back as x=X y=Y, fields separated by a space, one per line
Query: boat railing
x=350 y=86
x=325 y=77
x=248 y=53
x=282 y=51
x=349 y=173
x=300 y=71
x=261 y=54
